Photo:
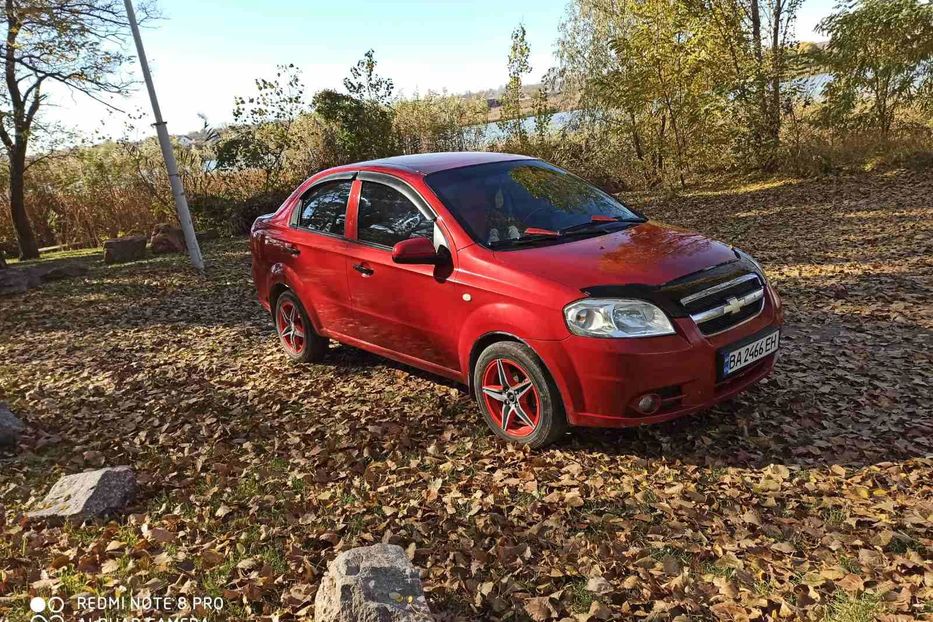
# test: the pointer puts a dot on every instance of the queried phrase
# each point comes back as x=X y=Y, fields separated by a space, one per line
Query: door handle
x=294 y=251
x=364 y=270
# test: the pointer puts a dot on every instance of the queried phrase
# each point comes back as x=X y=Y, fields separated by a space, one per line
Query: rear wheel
x=517 y=396
x=296 y=334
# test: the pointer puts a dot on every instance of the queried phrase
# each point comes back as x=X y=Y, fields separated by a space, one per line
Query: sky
x=204 y=52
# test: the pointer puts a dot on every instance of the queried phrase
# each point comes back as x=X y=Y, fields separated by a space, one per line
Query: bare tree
x=75 y=43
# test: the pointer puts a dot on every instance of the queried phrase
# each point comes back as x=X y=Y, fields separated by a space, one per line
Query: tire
x=297 y=336
x=539 y=418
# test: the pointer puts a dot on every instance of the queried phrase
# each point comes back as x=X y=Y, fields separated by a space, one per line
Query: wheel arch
x=275 y=291
x=487 y=340
x=281 y=285
x=557 y=396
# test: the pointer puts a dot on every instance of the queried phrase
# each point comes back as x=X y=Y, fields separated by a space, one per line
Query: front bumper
x=600 y=378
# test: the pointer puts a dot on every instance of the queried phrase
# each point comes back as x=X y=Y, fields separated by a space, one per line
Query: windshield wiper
x=531 y=234
x=538 y=231
x=597 y=222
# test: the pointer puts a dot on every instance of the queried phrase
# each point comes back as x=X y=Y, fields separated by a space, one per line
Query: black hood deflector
x=667 y=297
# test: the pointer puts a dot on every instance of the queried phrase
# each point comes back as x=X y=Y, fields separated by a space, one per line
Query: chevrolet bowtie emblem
x=732 y=306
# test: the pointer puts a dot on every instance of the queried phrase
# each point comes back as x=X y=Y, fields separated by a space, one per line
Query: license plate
x=735 y=359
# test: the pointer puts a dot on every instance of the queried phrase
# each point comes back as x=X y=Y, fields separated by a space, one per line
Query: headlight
x=595 y=317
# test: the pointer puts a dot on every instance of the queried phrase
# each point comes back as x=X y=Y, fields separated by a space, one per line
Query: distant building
x=493 y=102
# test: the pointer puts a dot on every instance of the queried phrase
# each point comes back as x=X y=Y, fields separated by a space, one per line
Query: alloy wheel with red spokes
x=299 y=339
x=291 y=327
x=511 y=397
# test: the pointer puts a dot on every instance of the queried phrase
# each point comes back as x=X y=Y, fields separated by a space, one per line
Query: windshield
x=503 y=203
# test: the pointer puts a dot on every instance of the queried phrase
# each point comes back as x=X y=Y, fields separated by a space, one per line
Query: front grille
x=725 y=305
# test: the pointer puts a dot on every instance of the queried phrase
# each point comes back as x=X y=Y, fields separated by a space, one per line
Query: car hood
x=648 y=253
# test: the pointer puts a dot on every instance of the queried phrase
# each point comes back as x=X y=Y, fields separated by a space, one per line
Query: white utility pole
x=181 y=203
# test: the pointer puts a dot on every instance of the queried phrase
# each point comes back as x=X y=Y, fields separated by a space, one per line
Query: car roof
x=427 y=163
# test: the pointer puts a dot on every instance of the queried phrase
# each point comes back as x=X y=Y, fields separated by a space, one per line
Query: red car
x=555 y=303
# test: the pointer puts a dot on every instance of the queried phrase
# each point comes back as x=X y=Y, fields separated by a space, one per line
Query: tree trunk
x=882 y=110
x=636 y=138
x=28 y=248
x=756 y=48
x=659 y=153
x=777 y=70
x=762 y=131
x=677 y=143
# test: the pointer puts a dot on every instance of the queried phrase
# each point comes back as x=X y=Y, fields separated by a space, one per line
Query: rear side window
x=324 y=209
x=386 y=217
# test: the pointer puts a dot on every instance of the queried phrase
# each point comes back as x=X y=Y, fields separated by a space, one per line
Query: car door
x=403 y=308
x=318 y=248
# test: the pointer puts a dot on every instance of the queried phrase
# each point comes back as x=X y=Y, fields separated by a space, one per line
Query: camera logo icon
x=52 y=607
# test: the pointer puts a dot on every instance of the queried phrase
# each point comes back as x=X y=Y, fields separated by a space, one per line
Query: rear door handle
x=364 y=270
x=294 y=251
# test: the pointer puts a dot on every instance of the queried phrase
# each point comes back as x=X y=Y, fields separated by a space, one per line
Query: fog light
x=649 y=403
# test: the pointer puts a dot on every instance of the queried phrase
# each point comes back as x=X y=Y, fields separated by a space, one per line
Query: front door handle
x=364 y=270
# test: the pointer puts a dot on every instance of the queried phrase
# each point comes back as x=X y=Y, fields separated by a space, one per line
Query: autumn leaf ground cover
x=807 y=498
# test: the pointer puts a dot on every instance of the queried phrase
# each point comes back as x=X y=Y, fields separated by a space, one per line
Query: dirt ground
x=809 y=497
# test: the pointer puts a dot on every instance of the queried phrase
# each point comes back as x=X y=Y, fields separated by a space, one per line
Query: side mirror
x=415 y=251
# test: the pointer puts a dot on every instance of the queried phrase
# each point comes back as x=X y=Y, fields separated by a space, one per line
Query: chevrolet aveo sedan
x=554 y=302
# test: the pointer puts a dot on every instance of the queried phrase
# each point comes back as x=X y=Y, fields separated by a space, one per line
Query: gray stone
x=371 y=584
x=130 y=248
x=17 y=279
x=10 y=426
x=14 y=281
x=60 y=270
x=89 y=494
x=167 y=239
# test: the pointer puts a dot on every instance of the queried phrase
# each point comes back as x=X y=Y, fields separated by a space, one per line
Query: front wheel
x=517 y=396
x=296 y=333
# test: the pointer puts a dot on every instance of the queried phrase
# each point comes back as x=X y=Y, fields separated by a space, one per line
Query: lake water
x=492 y=132
x=811 y=86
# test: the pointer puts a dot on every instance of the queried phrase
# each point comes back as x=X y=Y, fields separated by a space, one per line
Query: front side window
x=508 y=203
x=324 y=209
x=386 y=217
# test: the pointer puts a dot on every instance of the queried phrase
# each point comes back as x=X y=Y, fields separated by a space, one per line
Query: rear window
x=497 y=202
x=324 y=207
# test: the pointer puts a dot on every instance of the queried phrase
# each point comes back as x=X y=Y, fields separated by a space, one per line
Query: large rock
x=167 y=239
x=371 y=584
x=59 y=270
x=13 y=281
x=130 y=248
x=17 y=279
x=10 y=427
x=89 y=494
